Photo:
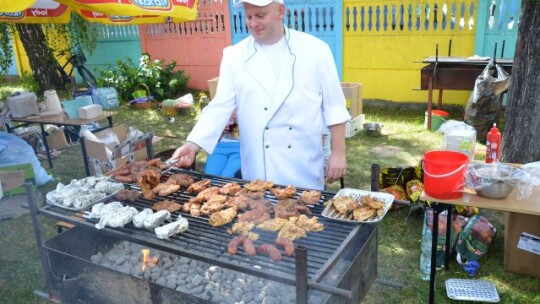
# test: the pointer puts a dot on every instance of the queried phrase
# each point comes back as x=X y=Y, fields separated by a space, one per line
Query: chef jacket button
x=267 y=128
x=266 y=108
x=290 y=128
x=266 y=146
x=289 y=146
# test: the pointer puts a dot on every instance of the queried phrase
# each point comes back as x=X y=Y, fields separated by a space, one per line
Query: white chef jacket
x=280 y=120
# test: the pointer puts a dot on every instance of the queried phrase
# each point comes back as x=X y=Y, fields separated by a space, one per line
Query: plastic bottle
x=425 y=254
x=493 y=145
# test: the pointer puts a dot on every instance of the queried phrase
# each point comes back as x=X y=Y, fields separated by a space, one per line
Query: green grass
x=403 y=143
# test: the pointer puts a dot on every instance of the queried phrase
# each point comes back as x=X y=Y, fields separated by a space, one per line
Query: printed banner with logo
x=11 y=6
x=179 y=10
x=42 y=11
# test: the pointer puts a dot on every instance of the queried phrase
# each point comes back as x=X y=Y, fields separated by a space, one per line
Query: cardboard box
x=522 y=243
x=121 y=151
x=353 y=96
x=354 y=125
x=90 y=111
x=13 y=178
x=212 y=87
x=57 y=141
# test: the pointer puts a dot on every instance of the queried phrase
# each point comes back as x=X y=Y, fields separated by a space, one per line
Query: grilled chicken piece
x=257 y=215
x=147 y=181
x=310 y=197
x=241 y=202
x=283 y=193
x=274 y=224
x=215 y=203
x=205 y=194
x=199 y=186
x=372 y=202
x=251 y=194
x=166 y=205
x=230 y=188
x=222 y=217
x=125 y=194
x=364 y=213
x=180 y=179
x=291 y=231
x=309 y=224
x=164 y=189
x=241 y=228
x=344 y=204
x=258 y=185
x=289 y=207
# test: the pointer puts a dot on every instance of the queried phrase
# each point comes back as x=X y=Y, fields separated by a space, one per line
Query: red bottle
x=493 y=145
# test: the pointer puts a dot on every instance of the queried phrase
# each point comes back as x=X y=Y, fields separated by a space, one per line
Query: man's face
x=265 y=23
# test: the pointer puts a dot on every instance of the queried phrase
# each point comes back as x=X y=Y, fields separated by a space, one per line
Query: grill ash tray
x=471 y=290
x=331 y=212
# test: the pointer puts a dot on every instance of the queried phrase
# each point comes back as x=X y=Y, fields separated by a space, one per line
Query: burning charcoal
x=197 y=280
x=161 y=281
x=155 y=275
x=171 y=284
x=247 y=297
x=216 y=276
x=96 y=258
x=237 y=293
x=124 y=269
x=183 y=260
x=197 y=290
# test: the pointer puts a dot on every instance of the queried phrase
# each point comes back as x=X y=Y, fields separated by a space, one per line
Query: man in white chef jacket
x=285 y=86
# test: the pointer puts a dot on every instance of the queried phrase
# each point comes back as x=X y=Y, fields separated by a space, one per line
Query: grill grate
x=206 y=243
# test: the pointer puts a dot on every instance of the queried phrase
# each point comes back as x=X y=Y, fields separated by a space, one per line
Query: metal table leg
x=437 y=209
x=44 y=135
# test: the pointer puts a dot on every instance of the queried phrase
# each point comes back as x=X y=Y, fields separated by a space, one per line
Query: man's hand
x=336 y=167
x=184 y=156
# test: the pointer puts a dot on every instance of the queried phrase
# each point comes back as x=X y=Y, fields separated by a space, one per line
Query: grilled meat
x=258 y=185
x=283 y=193
x=286 y=244
x=232 y=247
x=274 y=224
x=183 y=180
x=199 y=186
x=241 y=202
x=251 y=194
x=291 y=231
x=270 y=251
x=222 y=217
x=241 y=228
x=125 y=194
x=344 y=204
x=257 y=215
x=249 y=248
x=147 y=181
x=289 y=207
x=166 y=205
x=364 y=213
x=230 y=188
x=310 y=197
x=164 y=189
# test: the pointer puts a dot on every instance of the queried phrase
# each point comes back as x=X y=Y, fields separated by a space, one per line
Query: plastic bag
x=15 y=151
x=480 y=175
x=473 y=242
x=483 y=105
x=533 y=169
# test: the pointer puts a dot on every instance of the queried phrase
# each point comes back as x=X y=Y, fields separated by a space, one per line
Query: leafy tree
x=42 y=41
x=521 y=139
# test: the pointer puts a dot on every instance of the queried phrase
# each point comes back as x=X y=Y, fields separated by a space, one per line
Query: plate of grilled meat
x=358 y=206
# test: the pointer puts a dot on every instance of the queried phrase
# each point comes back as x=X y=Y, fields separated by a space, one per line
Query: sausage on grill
x=270 y=251
x=249 y=248
x=286 y=244
x=232 y=248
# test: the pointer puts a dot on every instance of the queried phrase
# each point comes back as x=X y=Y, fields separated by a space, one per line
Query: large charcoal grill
x=340 y=261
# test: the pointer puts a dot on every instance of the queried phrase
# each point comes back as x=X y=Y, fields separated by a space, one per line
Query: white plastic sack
x=16 y=151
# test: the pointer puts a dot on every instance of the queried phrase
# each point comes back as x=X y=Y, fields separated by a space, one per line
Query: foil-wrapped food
x=180 y=225
x=113 y=214
x=79 y=194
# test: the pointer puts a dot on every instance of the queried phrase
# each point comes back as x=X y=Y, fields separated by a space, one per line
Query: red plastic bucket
x=444 y=174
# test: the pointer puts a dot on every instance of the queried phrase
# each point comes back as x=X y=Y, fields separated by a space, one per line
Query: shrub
x=162 y=79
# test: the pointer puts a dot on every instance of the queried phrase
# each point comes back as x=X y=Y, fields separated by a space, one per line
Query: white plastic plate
x=472 y=290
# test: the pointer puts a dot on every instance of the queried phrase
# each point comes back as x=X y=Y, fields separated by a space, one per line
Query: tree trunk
x=521 y=136
x=41 y=58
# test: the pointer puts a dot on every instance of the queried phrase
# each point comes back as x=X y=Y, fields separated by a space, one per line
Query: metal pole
x=38 y=233
x=300 y=254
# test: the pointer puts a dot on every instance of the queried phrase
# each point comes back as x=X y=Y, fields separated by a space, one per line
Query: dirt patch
x=386 y=151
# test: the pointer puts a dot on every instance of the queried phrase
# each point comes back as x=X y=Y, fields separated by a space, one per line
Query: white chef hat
x=255 y=2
